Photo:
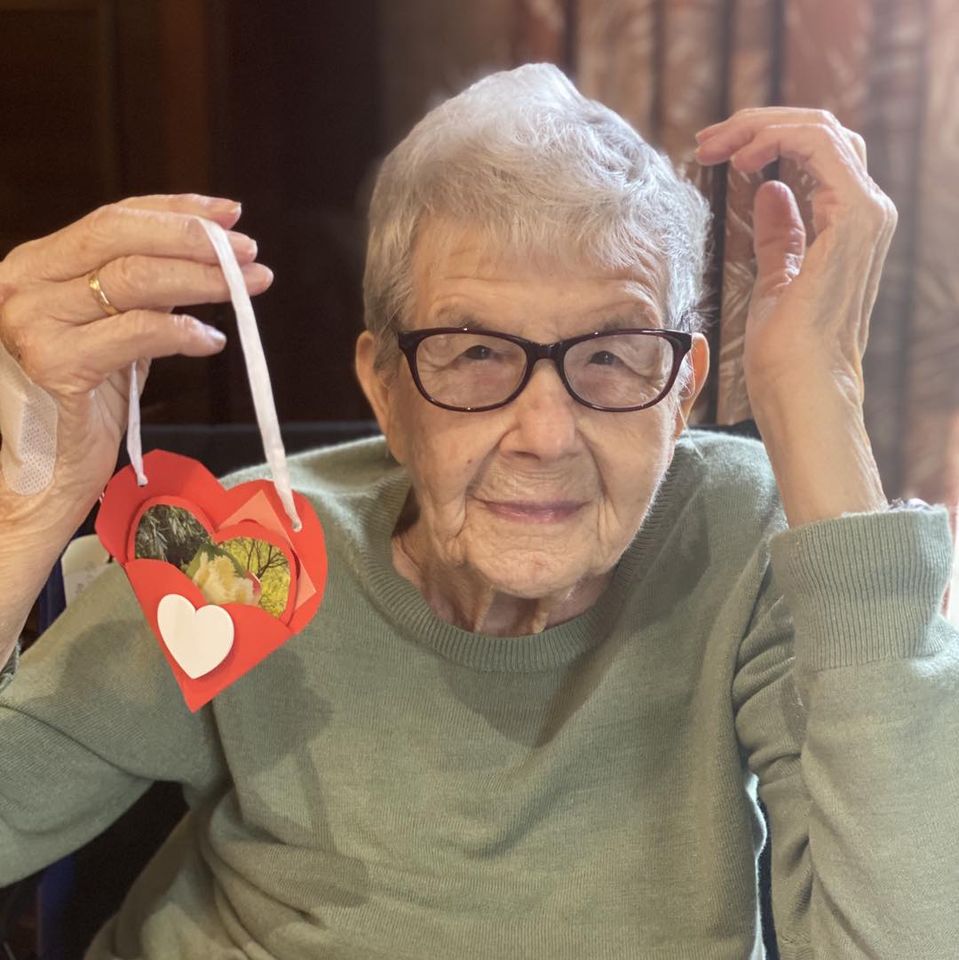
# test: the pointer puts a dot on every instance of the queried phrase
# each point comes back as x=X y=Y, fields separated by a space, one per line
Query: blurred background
x=289 y=107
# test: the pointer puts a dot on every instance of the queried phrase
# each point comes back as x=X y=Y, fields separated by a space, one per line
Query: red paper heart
x=250 y=510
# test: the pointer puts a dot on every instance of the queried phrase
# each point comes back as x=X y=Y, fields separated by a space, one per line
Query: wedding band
x=94 y=283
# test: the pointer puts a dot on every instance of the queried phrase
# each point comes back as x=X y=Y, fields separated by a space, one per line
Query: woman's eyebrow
x=455 y=317
x=639 y=318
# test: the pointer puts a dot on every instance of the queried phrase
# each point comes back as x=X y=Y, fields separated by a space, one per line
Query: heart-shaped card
x=222 y=576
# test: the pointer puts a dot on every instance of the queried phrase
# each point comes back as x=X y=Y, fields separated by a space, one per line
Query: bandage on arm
x=28 y=430
x=28 y=453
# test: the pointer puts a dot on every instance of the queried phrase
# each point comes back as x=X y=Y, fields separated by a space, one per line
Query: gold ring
x=93 y=281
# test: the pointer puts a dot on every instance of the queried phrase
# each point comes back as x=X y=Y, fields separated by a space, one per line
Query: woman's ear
x=371 y=379
x=375 y=383
x=697 y=363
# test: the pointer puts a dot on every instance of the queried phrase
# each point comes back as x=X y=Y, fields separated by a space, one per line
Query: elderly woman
x=565 y=641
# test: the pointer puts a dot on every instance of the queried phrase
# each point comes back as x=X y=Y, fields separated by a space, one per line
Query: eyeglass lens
x=474 y=370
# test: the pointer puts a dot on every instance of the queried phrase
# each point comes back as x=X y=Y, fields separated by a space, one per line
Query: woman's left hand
x=809 y=315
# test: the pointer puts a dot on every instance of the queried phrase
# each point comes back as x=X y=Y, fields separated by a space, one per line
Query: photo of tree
x=239 y=570
x=243 y=570
x=170 y=533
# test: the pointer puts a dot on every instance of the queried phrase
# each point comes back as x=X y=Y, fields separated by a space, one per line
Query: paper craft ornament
x=224 y=577
x=182 y=523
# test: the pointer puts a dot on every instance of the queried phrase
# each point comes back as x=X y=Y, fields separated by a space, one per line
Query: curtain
x=886 y=68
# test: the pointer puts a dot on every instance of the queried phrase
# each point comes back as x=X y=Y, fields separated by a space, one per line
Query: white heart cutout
x=198 y=639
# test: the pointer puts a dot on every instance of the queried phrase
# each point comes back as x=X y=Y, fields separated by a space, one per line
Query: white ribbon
x=257 y=373
x=134 y=447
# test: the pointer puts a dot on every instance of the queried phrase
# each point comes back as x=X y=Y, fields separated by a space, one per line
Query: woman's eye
x=603 y=358
x=478 y=352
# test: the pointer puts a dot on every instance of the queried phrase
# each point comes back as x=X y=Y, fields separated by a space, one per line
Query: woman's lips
x=528 y=511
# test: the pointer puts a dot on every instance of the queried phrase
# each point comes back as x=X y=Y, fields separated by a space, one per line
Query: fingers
x=758 y=117
x=779 y=237
x=845 y=192
x=113 y=343
x=858 y=145
x=136 y=282
x=822 y=150
x=745 y=124
x=224 y=212
x=815 y=139
x=818 y=149
x=119 y=230
x=80 y=358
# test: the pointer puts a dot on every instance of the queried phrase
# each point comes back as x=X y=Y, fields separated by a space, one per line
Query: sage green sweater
x=389 y=786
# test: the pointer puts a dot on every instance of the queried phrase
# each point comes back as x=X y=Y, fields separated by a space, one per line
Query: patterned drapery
x=886 y=68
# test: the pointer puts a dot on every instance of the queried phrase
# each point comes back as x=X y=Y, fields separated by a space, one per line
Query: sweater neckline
x=403 y=604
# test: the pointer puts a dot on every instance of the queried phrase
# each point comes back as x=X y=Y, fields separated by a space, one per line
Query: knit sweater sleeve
x=847 y=710
x=91 y=718
x=10 y=667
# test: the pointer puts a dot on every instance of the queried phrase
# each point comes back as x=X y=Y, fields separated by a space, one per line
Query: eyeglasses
x=470 y=371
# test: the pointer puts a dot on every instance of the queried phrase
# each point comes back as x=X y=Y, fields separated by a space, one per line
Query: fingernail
x=225 y=204
x=217 y=336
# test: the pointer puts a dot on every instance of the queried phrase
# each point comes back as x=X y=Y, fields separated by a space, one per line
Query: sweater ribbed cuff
x=865 y=587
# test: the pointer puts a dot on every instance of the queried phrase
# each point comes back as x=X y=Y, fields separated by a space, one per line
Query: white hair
x=541 y=170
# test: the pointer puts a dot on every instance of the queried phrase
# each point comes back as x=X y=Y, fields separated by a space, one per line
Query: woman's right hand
x=150 y=253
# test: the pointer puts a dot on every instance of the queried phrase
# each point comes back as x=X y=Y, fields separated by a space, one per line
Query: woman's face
x=544 y=494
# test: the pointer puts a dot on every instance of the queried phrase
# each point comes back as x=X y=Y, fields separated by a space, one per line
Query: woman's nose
x=545 y=416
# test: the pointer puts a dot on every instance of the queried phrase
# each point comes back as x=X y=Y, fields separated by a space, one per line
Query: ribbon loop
x=257 y=373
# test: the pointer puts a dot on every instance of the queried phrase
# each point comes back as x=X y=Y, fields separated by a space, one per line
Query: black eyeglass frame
x=409 y=341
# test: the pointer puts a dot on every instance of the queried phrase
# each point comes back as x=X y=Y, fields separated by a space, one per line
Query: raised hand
x=149 y=253
x=808 y=319
x=810 y=307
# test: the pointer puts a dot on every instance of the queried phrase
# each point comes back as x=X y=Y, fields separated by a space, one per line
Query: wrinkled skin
x=150 y=252
x=522 y=511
